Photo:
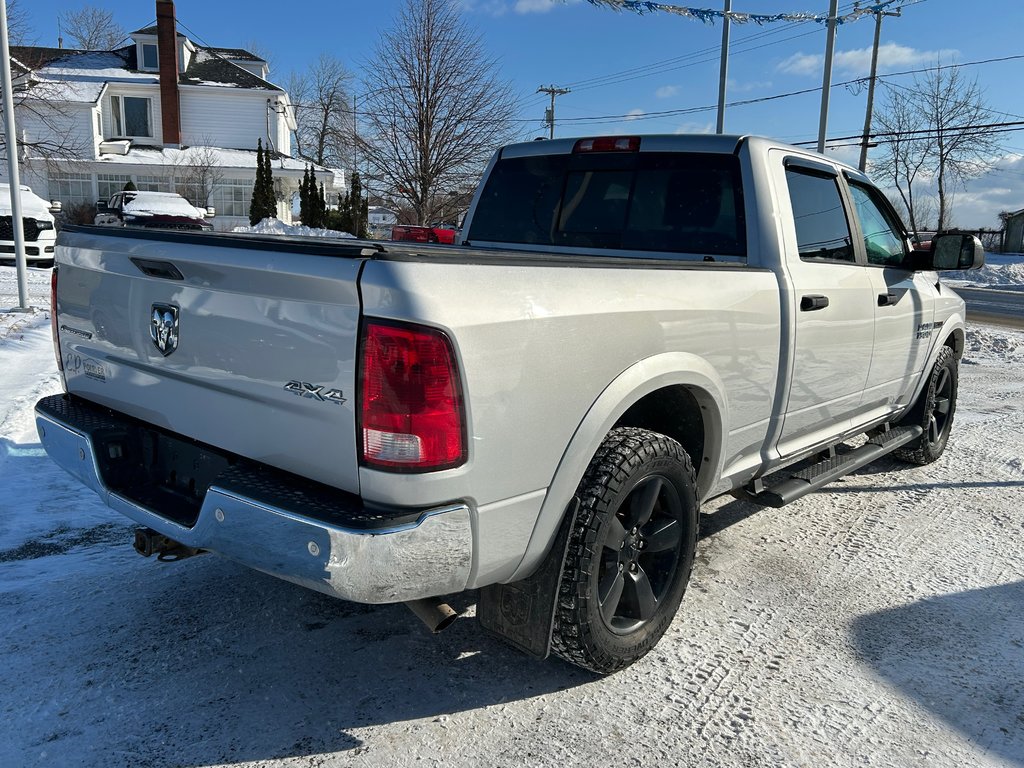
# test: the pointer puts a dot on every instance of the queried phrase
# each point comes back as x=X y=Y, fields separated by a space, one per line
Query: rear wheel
x=630 y=553
x=933 y=412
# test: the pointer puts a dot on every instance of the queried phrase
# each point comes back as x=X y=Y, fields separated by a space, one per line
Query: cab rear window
x=669 y=202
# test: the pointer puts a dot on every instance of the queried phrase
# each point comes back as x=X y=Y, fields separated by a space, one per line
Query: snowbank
x=277 y=227
x=1003 y=271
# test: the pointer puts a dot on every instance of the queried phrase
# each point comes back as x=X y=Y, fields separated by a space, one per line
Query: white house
x=164 y=112
x=380 y=220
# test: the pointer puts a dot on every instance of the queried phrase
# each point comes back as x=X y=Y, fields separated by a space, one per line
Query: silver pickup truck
x=631 y=326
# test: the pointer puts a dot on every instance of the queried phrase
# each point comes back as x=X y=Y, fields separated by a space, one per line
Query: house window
x=131 y=116
x=149 y=56
x=109 y=183
x=231 y=197
x=153 y=184
x=71 y=188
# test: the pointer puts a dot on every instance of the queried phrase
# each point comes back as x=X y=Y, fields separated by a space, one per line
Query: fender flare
x=634 y=383
x=954 y=325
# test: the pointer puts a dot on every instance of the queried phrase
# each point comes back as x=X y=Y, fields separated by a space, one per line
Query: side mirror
x=956 y=252
x=210 y=211
x=56 y=206
x=101 y=206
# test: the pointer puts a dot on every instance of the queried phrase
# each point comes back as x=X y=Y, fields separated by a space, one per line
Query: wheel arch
x=676 y=394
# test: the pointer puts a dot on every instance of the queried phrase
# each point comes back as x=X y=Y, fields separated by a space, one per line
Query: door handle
x=812 y=303
x=887 y=299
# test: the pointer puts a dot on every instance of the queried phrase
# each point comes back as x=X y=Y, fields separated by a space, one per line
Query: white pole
x=12 y=162
x=826 y=83
x=723 y=74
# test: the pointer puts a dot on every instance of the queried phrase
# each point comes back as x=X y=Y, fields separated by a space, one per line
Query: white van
x=40 y=235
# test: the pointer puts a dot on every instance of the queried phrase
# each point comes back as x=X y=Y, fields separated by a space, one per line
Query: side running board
x=792 y=485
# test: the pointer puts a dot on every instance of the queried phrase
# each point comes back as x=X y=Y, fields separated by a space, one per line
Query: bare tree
x=196 y=172
x=935 y=136
x=46 y=128
x=92 y=29
x=323 y=112
x=950 y=103
x=906 y=151
x=19 y=30
x=435 y=105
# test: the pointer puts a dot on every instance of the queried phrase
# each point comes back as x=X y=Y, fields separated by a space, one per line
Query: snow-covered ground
x=877 y=623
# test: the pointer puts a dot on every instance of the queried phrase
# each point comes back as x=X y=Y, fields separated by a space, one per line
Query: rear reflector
x=411 y=407
x=53 y=319
x=608 y=144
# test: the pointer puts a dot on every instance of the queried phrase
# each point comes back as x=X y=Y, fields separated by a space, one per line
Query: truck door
x=904 y=303
x=832 y=306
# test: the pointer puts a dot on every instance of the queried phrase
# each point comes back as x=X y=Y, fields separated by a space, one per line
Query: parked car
x=38 y=224
x=633 y=325
x=410 y=233
x=152 y=210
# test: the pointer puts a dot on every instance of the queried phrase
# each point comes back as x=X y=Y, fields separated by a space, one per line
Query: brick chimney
x=167 y=45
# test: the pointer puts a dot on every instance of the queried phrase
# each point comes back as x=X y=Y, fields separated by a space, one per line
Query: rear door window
x=822 y=229
x=667 y=202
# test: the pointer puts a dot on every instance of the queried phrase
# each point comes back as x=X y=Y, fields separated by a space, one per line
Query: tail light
x=53 y=319
x=608 y=144
x=412 y=417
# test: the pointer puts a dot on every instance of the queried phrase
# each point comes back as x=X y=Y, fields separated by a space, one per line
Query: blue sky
x=674 y=62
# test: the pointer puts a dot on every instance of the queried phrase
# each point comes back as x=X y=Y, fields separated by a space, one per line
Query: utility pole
x=724 y=69
x=549 y=117
x=14 y=181
x=826 y=81
x=871 y=85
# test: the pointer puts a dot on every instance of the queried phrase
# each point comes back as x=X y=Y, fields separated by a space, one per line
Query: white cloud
x=535 y=6
x=695 y=128
x=858 y=61
x=754 y=85
x=666 y=91
x=979 y=202
x=633 y=114
x=489 y=7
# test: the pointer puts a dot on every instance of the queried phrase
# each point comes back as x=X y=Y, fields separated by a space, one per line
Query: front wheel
x=933 y=412
x=630 y=552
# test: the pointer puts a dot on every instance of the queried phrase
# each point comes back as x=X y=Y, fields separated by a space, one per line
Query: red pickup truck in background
x=442 y=235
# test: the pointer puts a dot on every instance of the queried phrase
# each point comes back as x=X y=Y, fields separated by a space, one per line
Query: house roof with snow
x=79 y=76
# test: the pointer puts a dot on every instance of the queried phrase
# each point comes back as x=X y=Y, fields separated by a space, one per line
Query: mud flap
x=523 y=613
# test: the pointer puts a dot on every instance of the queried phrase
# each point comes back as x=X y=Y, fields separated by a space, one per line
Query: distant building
x=1013 y=236
x=380 y=220
x=154 y=113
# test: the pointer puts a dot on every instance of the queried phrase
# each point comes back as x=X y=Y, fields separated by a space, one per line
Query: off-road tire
x=584 y=633
x=933 y=412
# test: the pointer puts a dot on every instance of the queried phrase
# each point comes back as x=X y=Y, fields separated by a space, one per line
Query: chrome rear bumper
x=432 y=555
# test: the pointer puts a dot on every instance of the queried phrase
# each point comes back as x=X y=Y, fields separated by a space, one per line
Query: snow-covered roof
x=81 y=76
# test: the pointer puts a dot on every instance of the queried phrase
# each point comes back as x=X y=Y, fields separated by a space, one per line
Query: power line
x=775 y=97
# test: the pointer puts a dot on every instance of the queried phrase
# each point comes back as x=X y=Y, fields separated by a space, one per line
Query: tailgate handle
x=161 y=269
x=811 y=303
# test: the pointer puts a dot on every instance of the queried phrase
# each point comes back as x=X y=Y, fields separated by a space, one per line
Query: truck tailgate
x=248 y=345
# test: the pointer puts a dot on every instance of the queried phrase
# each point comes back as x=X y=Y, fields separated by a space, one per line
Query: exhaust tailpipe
x=149 y=542
x=436 y=615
